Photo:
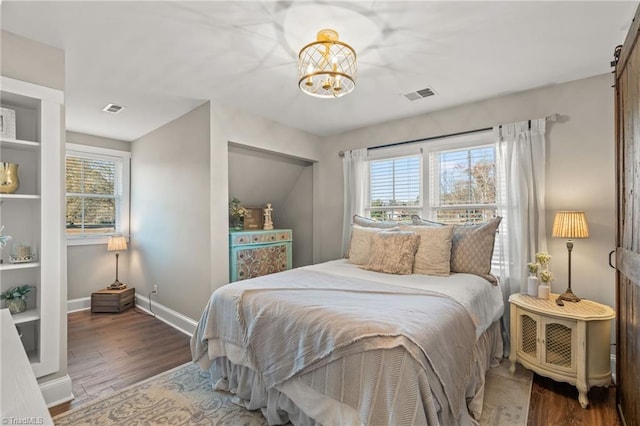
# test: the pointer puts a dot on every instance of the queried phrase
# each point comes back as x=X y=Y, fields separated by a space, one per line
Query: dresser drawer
x=256 y=253
x=259 y=237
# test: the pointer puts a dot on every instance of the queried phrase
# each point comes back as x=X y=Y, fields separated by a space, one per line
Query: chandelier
x=327 y=67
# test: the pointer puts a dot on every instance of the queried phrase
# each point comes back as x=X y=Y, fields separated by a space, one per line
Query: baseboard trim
x=613 y=368
x=175 y=319
x=57 y=391
x=81 y=304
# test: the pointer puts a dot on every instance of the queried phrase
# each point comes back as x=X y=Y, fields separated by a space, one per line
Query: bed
x=336 y=344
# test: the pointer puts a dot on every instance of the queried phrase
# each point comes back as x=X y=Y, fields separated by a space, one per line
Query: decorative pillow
x=393 y=252
x=434 y=252
x=472 y=248
x=371 y=223
x=418 y=221
x=360 y=244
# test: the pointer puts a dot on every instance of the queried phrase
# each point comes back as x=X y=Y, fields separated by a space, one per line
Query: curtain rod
x=552 y=117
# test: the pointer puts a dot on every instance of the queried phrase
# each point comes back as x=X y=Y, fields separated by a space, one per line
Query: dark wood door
x=627 y=85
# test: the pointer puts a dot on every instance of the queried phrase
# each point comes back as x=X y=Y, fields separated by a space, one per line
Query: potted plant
x=236 y=214
x=16 y=298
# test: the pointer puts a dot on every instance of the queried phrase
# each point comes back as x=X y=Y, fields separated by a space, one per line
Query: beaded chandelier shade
x=327 y=67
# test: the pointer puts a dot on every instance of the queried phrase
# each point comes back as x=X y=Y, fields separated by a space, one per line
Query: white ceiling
x=162 y=59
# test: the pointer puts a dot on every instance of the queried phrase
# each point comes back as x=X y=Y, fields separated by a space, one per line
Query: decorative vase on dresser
x=532 y=285
x=256 y=253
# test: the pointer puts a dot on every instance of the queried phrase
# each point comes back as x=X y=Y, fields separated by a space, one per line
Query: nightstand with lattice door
x=567 y=343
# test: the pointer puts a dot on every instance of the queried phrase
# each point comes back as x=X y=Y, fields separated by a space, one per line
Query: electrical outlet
x=155 y=288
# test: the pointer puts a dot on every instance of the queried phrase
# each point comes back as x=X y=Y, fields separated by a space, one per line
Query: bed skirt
x=320 y=396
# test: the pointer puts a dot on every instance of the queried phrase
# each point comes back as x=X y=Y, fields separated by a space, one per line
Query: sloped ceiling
x=162 y=59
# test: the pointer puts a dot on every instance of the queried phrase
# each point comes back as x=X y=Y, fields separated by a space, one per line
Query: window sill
x=87 y=241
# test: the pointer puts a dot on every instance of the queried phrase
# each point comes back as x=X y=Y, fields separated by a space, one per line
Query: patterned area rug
x=183 y=396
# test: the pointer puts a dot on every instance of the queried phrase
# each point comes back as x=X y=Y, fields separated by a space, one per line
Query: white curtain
x=356 y=174
x=520 y=180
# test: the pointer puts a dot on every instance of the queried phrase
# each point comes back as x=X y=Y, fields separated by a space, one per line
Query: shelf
x=27 y=316
x=19 y=196
x=19 y=144
x=9 y=266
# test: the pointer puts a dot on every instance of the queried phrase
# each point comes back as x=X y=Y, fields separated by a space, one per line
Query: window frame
x=122 y=201
x=418 y=208
x=431 y=208
x=426 y=148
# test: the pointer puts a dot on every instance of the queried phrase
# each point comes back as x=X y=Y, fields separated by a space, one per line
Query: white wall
x=580 y=169
x=170 y=199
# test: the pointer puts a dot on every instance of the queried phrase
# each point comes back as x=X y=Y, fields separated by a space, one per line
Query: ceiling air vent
x=113 y=108
x=419 y=94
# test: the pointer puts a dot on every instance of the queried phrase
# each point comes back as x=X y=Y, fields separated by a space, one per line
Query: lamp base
x=116 y=285
x=569 y=296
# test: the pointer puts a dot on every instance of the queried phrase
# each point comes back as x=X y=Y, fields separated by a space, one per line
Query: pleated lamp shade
x=570 y=224
x=117 y=244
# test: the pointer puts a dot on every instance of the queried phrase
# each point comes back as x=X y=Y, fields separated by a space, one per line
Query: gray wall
x=258 y=177
x=170 y=213
x=239 y=127
x=98 y=141
x=92 y=267
x=298 y=211
x=580 y=169
x=27 y=60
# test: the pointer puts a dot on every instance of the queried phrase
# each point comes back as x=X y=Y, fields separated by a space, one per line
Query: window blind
x=92 y=187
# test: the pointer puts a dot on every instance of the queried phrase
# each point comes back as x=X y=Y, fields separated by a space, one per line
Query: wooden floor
x=107 y=352
x=554 y=403
x=110 y=351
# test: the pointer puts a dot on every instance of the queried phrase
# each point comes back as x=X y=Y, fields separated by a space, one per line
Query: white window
x=97 y=194
x=395 y=189
x=463 y=185
x=452 y=181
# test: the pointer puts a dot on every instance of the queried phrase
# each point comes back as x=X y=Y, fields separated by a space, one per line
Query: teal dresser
x=256 y=253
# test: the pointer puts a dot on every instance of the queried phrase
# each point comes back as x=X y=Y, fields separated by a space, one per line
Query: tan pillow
x=472 y=248
x=434 y=252
x=393 y=252
x=360 y=245
x=372 y=223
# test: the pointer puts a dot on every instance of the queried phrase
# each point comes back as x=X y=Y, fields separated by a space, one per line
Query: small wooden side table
x=567 y=343
x=114 y=301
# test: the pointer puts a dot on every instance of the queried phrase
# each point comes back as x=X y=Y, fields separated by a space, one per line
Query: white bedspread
x=255 y=340
x=482 y=299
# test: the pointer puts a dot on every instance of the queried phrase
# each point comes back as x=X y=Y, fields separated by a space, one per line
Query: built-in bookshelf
x=34 y=216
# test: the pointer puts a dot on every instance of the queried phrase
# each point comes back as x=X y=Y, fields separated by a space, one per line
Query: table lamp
x=117 y=244
x=570 y=224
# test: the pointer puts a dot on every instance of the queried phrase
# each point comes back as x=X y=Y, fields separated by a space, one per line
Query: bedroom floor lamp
x=570 y=224
x=117 y=244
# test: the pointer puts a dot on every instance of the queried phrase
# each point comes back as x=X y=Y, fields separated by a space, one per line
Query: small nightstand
x=114 y=301
x=567 y=343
